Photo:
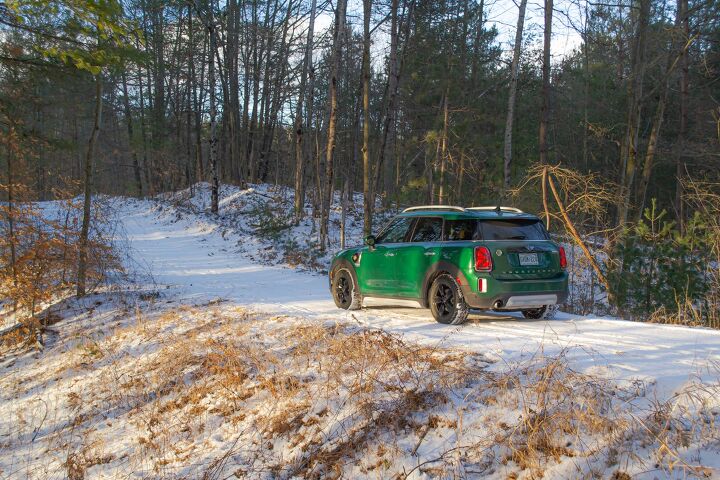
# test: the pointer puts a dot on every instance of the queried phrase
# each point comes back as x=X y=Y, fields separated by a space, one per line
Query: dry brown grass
x=205 y=391
x=563 y=413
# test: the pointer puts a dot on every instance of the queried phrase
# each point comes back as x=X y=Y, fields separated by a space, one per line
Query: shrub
x=39 y=255
x=660 y=267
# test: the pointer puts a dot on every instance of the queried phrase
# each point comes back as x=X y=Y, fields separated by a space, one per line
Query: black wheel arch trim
x=342 y=263
x=432 y=272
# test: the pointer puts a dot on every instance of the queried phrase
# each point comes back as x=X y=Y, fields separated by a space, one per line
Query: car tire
x=345 y=292
x=545 y=312
x=446 y=301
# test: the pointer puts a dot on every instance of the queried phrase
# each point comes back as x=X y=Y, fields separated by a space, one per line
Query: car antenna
x=498 y=210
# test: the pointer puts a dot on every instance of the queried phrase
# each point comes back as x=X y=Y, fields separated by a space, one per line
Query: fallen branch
x=576 y=236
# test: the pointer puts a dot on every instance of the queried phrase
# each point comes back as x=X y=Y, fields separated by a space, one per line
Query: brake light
x=563 y=258
x=483 y=259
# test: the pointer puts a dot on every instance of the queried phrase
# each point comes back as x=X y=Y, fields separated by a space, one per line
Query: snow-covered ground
x=203 y=260
x=205 y=268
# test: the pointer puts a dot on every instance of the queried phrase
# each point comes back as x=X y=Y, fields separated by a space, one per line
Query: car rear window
x=515 y=229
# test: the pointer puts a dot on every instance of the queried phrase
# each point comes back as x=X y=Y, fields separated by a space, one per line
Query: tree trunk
x=546 y=209
x=150 y=190
x=630 y=142
x=652 y=146
x=683 y=14
x=87 y=190
x=443 y=152
x=367 y=197
x=332 y=120
x=343 y=217
x=11 y=202
x=215 y=187
x=510 y=120
x=394 y=72
x=128 y=120
x=545 y=109
x=299 y=152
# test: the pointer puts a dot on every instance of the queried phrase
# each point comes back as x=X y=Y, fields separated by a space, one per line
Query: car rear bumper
x=518 y=294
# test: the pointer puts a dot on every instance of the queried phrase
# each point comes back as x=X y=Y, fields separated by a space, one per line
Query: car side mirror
x=370 y=240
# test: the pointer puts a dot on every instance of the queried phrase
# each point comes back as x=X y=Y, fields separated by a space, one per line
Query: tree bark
x=395 y=68
x=332 y=120
x=299 y=151
x=510 y=120
x=215 y=186
x=630 y=142
x=133 y=151
x=544 y=198
x=443 y=152
x=545 y=109
x=87 y=190
x=683 y=14
x=367 y=197
x=651 y=148
x=343 y=217
x=11 y=202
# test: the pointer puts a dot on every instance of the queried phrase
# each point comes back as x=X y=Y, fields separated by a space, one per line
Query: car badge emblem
x=498 y=252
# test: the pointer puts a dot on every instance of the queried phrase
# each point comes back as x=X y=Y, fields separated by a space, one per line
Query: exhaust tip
x=498 y=304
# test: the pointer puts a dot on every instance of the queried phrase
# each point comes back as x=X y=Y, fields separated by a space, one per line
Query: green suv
x=454 y=259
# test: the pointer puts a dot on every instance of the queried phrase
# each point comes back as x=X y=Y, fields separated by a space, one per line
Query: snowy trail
x=200 y=262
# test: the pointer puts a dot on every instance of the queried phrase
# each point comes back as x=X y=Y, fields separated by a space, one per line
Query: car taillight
x=563 y=258
x=483 y=260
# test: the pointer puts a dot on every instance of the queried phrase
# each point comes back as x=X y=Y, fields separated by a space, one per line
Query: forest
x=613 y=141
x=186 y=186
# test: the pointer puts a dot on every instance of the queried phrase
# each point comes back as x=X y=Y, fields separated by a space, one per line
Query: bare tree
x=512 y=96
x=684 y=21
x=299 y=150
x=367 y=200
x=545 y=108
x=215 y=185
x=129 y=121
x=87 y=189
x=332 y=120
x=629 y=147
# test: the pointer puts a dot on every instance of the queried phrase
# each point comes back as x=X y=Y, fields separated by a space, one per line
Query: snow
x=214 y=285
x=202 y=259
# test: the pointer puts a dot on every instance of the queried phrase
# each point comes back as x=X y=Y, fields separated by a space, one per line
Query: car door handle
x=389 y=254
x=430 y=254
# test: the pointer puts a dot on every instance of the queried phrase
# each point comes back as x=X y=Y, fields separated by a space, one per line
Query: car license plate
x=529 y=259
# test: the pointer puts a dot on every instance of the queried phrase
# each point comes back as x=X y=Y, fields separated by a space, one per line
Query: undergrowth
x=215 y=390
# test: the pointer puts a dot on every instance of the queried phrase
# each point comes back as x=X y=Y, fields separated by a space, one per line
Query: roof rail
x=502 y=209
x=434 y=207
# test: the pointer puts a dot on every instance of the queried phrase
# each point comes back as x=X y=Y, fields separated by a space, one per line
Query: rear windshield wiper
x=517 y=237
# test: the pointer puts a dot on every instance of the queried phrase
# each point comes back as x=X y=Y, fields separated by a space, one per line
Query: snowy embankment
x=233 y=363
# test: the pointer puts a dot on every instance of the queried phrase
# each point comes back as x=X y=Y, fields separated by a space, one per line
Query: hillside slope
x=226 y=362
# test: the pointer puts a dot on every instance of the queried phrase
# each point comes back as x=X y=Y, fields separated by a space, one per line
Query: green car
x=455 y=259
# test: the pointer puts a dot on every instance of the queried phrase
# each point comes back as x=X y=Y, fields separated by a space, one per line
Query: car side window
x=396 y=231
x=458 y=230
x=428 y=229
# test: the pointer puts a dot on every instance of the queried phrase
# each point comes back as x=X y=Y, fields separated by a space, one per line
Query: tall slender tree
x=367 y=199
x=512 y=96
x=545 y=108
x=332 y=119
